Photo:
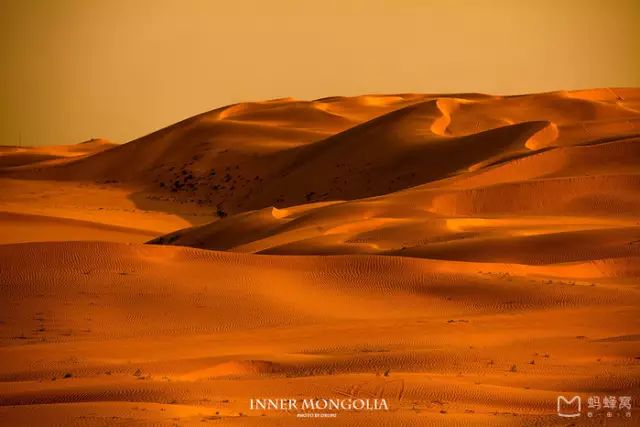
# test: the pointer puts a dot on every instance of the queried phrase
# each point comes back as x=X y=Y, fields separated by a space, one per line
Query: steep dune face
x=393 y=152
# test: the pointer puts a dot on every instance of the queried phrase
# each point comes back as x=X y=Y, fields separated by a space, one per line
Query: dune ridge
x=240 y=157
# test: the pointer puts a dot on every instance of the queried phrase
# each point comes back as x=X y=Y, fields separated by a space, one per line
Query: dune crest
x=240 y=157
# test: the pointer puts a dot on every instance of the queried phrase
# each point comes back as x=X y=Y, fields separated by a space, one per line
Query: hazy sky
x=75 y=69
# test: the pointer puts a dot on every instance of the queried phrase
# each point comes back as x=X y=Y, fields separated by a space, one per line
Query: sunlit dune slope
x=36 y=210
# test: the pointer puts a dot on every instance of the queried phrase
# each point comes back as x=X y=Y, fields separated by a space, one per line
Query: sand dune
x=186 y=334
x=20 y=228
x=13 y=156
x=467 y=257
x=255 y=155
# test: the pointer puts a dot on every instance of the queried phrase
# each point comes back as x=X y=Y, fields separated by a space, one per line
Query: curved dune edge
x=543 y=138
x=446 y=106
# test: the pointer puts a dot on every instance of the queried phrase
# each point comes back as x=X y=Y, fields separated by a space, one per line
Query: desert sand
x=467 y=257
